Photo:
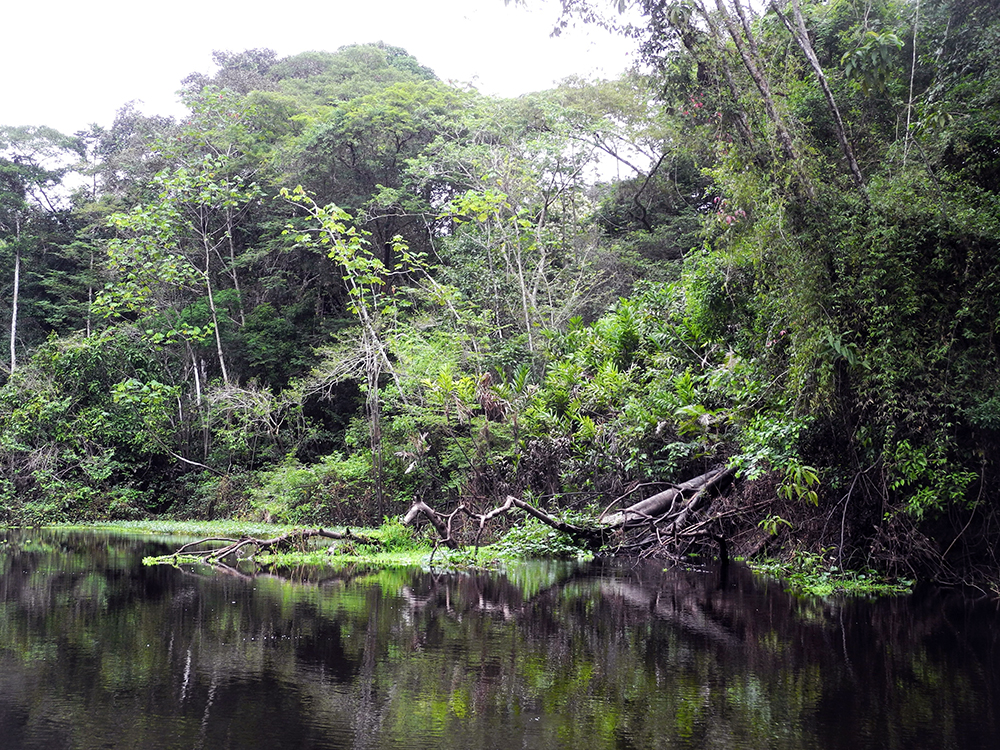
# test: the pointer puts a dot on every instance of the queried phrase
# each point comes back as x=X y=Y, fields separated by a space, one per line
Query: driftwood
x=233 y=546
x=667 y=516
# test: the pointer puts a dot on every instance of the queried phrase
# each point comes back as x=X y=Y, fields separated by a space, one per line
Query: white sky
x=69 y=63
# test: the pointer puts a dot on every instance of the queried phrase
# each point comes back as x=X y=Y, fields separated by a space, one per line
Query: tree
x=321 y=79
x=33 y=161
x=356 y=155
x=121 y=160
x=196 y=217
x=239 y=72
x=515 y=239
x=73 y=447
x=365 y=276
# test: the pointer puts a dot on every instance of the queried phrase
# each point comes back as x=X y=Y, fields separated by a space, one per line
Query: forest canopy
x=340 y=285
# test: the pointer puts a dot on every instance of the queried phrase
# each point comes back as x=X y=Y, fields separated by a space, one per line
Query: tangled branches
x=252 y=544
x=656 y=524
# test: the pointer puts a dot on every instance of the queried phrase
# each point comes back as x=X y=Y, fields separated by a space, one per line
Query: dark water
x=97 y=651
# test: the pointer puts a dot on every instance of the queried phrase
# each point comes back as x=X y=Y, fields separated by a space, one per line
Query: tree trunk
x=90 y=291
x=662 y=503
x=234 y=546
x=801 y=36
x=215 y=316
x=232 y=268
x=13 y=309
x=747 y=47
x=373 y=367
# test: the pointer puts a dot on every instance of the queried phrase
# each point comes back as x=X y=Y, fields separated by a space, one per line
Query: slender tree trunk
x=801 y=36
x=197 y=380
x=742 y=119
x=215 y=315
x=206 y=432
x=13 y=308
x=218 y=335
x=90 y=291
x=746 y=45
x=376 y=361
x=232 y=268
x=523 y=286
x=909 y=102
x=373 y=404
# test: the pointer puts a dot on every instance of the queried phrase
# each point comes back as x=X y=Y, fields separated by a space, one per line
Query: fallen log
x=659 y=519
x=440 y=523
x=663 y=504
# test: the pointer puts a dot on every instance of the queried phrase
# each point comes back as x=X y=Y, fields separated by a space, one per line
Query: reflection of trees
x=540 y=657
x=672 y=654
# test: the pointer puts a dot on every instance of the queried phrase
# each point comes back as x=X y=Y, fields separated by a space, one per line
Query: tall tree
x=184 y=236
x=33 y=162
x=356 y=155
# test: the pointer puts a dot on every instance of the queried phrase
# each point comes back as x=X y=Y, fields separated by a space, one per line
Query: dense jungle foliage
x=340 y=284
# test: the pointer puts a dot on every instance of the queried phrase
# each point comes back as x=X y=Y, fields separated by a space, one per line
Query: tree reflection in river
x=97 y=651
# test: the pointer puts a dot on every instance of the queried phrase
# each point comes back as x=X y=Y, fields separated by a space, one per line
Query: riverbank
x=395 y=545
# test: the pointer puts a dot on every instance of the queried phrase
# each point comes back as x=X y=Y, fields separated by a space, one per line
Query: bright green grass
x=399 y=545
x=230 y=529
x=814 y=575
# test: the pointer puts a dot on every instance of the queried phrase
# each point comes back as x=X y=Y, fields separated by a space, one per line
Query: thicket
x=341 y=285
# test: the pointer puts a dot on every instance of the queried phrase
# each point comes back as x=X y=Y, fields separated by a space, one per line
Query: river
x=98 y=651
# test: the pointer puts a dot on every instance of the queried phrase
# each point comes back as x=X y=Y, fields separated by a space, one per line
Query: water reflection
x=97 y=651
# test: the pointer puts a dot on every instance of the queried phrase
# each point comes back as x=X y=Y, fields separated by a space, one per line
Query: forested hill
x=339 y=285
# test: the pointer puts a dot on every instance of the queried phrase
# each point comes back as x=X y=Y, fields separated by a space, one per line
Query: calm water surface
x=97 y=651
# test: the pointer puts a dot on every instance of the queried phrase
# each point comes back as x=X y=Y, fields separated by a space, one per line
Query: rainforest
x=752 y=284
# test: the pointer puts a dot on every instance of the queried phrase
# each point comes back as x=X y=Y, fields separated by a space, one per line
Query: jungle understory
x=342 y=292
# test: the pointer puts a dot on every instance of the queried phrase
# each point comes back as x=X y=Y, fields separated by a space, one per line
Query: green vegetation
x=159 y=527
x=392 y=544
x=816 y=575
x=340 y=284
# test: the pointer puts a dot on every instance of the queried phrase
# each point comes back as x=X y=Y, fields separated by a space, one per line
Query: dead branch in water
x=232 y=546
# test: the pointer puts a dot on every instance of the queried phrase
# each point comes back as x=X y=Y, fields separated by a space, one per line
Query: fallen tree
x=663 y=521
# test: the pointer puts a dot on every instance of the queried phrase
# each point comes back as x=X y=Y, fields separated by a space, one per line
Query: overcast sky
x=69 y=63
